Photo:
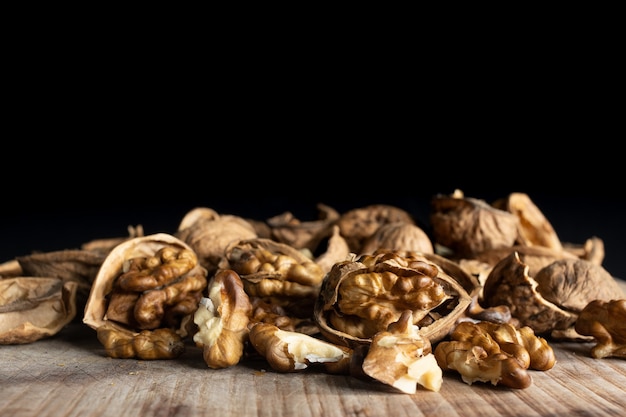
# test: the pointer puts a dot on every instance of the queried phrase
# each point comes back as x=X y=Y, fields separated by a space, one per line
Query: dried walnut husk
x=358 y=224
x=144 y=290
x=288 y=229
x=363 y=296
x=469 y=226
x=209 y=234
x=33 y=308
x=79 y=266
x=551 y=300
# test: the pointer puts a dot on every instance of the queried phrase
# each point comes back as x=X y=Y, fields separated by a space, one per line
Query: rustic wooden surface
x=69 y=375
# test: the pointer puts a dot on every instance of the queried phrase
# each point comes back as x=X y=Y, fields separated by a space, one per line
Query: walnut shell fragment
x=77 y=265
x=287 y=229
x=33 y=308
x=469 y=226
x=145 y=284
x=358 y=224
x=509 y=283
x=533 y=227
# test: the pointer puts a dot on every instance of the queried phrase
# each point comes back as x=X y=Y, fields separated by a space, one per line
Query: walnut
x=287 y=229
x=605 y=321
x=288 y=351
x=398 y=236
x=533 y=227
x=573 y=283
x=362 y=296
x=495 y=353
x=402 y=358
x=510 y=284
x=33 y=308
x=222 y=320
x=469 y=226
x=145 y=284
x=359 y=224
x=276 y=272
x=553 y=298
x=209 y=234
x=124 y=344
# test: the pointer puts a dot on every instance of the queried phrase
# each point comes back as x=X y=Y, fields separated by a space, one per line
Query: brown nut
x=287 y=351
x=605 y=321
x=222 y=319
x=474 y=353
x=550 y=301
x=398 y=236
x=147 y=344
x=287 y=229
x=209 y=234
x=277 y=273
x=361 y=297
x=402 y=358
x=135 y=275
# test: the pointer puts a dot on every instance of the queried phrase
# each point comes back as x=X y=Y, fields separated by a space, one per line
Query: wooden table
x=69 y=375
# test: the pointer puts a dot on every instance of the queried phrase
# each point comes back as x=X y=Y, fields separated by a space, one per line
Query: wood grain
x=69 y=375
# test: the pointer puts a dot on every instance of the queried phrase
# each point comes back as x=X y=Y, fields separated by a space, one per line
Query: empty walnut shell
x=32 y=308
x=469 y=226
x=553 y=298
x=361 y=296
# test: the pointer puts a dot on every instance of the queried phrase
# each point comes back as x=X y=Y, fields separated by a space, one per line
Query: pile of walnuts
x=366 y=293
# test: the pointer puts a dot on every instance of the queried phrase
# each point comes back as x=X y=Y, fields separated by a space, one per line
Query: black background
x=79 y=196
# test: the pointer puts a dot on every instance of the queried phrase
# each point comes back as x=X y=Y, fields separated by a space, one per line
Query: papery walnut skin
x=33 y=308
x=287 y=229
x=534 y=229
x=80 y=266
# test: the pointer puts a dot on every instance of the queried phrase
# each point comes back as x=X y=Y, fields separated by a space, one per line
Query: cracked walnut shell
x=363 y=296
